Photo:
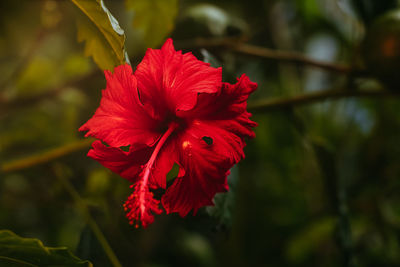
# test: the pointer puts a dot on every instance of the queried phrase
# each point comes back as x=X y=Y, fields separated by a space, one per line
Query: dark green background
x=319 y=185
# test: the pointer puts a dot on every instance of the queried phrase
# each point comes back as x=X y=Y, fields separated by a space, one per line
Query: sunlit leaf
x=18 y=251
x=154 y=18
x=105 y=39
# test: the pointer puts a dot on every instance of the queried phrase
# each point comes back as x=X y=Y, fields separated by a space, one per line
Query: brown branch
x=47 y=156
x=237 y=45
x=289 y=56
x=309 y=98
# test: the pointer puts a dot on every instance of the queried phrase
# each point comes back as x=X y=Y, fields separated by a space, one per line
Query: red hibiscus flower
x=173 y=109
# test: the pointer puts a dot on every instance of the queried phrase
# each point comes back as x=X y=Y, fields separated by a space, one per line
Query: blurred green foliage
x=381 y=48
x=320 y=182
x=154 y=19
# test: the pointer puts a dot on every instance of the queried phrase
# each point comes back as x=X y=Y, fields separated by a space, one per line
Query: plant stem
x=335 y=188
x=80 y=203
x=237 y=45
x=288 y=56
x=343 y=225
x=47 y=156
x=309 y=98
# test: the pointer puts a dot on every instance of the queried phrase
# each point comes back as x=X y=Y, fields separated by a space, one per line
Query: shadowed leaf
x=18 y=251
x=224 y=202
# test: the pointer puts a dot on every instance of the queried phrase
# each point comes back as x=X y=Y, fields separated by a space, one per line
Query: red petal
x=234 y=96
x=207 y=161
x=121 y=119
x=163 y=164
x=168 y=79
x=231 y=101
x=128 y=165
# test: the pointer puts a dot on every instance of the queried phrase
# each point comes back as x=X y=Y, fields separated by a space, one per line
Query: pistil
x=141 y=204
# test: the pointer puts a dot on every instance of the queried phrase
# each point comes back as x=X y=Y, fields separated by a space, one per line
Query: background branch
x=47 y=156
x=237 y=45
x=309 y=98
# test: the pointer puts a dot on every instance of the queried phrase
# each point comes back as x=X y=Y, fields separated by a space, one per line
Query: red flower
x=173 y=109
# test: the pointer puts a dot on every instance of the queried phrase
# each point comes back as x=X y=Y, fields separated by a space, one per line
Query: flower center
x=170 y=118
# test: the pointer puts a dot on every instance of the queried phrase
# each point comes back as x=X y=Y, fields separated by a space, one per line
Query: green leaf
x=154 y=18
x=173 y=173
x=4 y=261
x=105 y=40
x=224 y=202
x=18 y=251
